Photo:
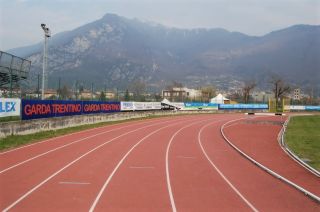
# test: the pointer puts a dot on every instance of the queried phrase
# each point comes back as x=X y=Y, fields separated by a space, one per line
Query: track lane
x=18 y=181
x=195 y=185
x=263 y=190
x=18 y=156
x=246 y=136
x=139 y=182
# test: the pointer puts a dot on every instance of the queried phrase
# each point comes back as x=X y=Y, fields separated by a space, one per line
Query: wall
x=45 y=124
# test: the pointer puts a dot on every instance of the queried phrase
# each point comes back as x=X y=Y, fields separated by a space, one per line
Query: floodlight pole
x=45 y=57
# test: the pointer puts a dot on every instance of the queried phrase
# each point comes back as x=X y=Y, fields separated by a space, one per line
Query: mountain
x=116 y=51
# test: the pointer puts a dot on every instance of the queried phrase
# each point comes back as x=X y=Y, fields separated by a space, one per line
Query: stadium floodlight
x=47 y=34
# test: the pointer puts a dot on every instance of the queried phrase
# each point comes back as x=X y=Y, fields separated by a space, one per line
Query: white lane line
x=60 y=147
x=62 y=136
x=186 y=157
x=220 y=173
x=173 y=205
x=71 y=163
x=75 y=183
x=141 y=167
x=94 y=204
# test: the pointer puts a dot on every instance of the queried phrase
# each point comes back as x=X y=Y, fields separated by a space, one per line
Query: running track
x=165 y=164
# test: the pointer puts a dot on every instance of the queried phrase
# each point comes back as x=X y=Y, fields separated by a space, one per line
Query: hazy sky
x=20 y=19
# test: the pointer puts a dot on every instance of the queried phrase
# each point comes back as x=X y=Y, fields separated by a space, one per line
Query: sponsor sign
x=294 y=107
x=9 y=107
x=34 y=109
x=127 y=106
x=131 y=106
x=200 y=105
x=243 y=106
x=313 y=108
x=100 y=107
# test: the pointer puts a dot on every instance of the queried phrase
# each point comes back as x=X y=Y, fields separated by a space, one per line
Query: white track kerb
x=71 y=163
x=306 y=192
x=284 y=146
x=220 y=173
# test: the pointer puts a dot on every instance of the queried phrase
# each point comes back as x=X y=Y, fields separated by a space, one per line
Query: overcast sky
x=20 y=19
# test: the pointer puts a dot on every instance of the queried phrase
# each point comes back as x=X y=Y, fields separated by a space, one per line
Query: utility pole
x=59 y=88
x=38 y=88
x=91 y=91
x=47 y=34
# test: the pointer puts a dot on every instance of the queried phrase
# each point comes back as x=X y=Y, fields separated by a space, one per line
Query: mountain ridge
x=119 y=51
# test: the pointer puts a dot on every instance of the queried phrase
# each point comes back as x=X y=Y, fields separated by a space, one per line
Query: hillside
x=116 y=51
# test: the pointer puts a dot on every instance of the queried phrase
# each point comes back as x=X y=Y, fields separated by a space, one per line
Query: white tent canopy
x=219 y=99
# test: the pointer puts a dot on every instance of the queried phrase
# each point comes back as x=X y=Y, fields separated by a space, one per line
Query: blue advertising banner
x=34 y=109
x=243 y=106
x=312 y=108
x=199 y=104
x=100 y=107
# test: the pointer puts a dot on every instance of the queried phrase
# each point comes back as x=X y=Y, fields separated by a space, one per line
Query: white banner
x=9 y=107
x=295 y=107
x=127 y=106
x=132 y=106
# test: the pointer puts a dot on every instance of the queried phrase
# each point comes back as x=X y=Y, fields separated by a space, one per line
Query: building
x=262 y=96
x=182 y=94
x=296 y=94
x=50 y=94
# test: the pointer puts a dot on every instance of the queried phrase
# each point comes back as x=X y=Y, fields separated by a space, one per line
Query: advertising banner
x=9 y=107
x=34 y=109
x=100 y=107
x=294 y=107
x=131 y=106
x=201 y=105
x=317 y=108
x=127 y=106
x=243 y=106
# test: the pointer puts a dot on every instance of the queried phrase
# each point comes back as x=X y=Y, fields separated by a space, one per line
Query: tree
x=246 y=90
x=64 y=92
x=279 y=88
x=127 y=96
x=102 y=96
x=174 y=84
x=208 y=92
x=139 y=88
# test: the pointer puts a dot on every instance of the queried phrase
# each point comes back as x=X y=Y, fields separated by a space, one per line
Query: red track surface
x=165 y=164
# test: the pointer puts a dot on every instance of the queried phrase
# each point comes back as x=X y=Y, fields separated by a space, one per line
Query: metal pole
x=38 y=88
x=59 y=89
x=44 y=65
x=91 y=91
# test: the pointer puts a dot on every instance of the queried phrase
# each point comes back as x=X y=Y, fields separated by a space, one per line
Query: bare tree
x=174 y=84
x=208 y=92
x=247 y=88
x=138 y=87
x=279 y=88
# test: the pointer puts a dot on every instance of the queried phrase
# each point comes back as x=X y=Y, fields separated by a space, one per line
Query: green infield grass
x=303 y=138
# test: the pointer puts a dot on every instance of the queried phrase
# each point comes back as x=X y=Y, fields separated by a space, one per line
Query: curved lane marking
x=272 y=173
x=220 y=173
x=66 y=145
x=68 y=165
x=173 y=205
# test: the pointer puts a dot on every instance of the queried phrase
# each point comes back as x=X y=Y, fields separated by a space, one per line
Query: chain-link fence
x=13 y=70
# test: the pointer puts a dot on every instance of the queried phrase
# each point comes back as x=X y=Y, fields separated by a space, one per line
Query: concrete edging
x=272 y=173
x=291 y=153
x=39 y=125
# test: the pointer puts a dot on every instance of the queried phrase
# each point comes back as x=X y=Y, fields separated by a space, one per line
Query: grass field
x=18 y=140
x=10 y=118
x=303 y=138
